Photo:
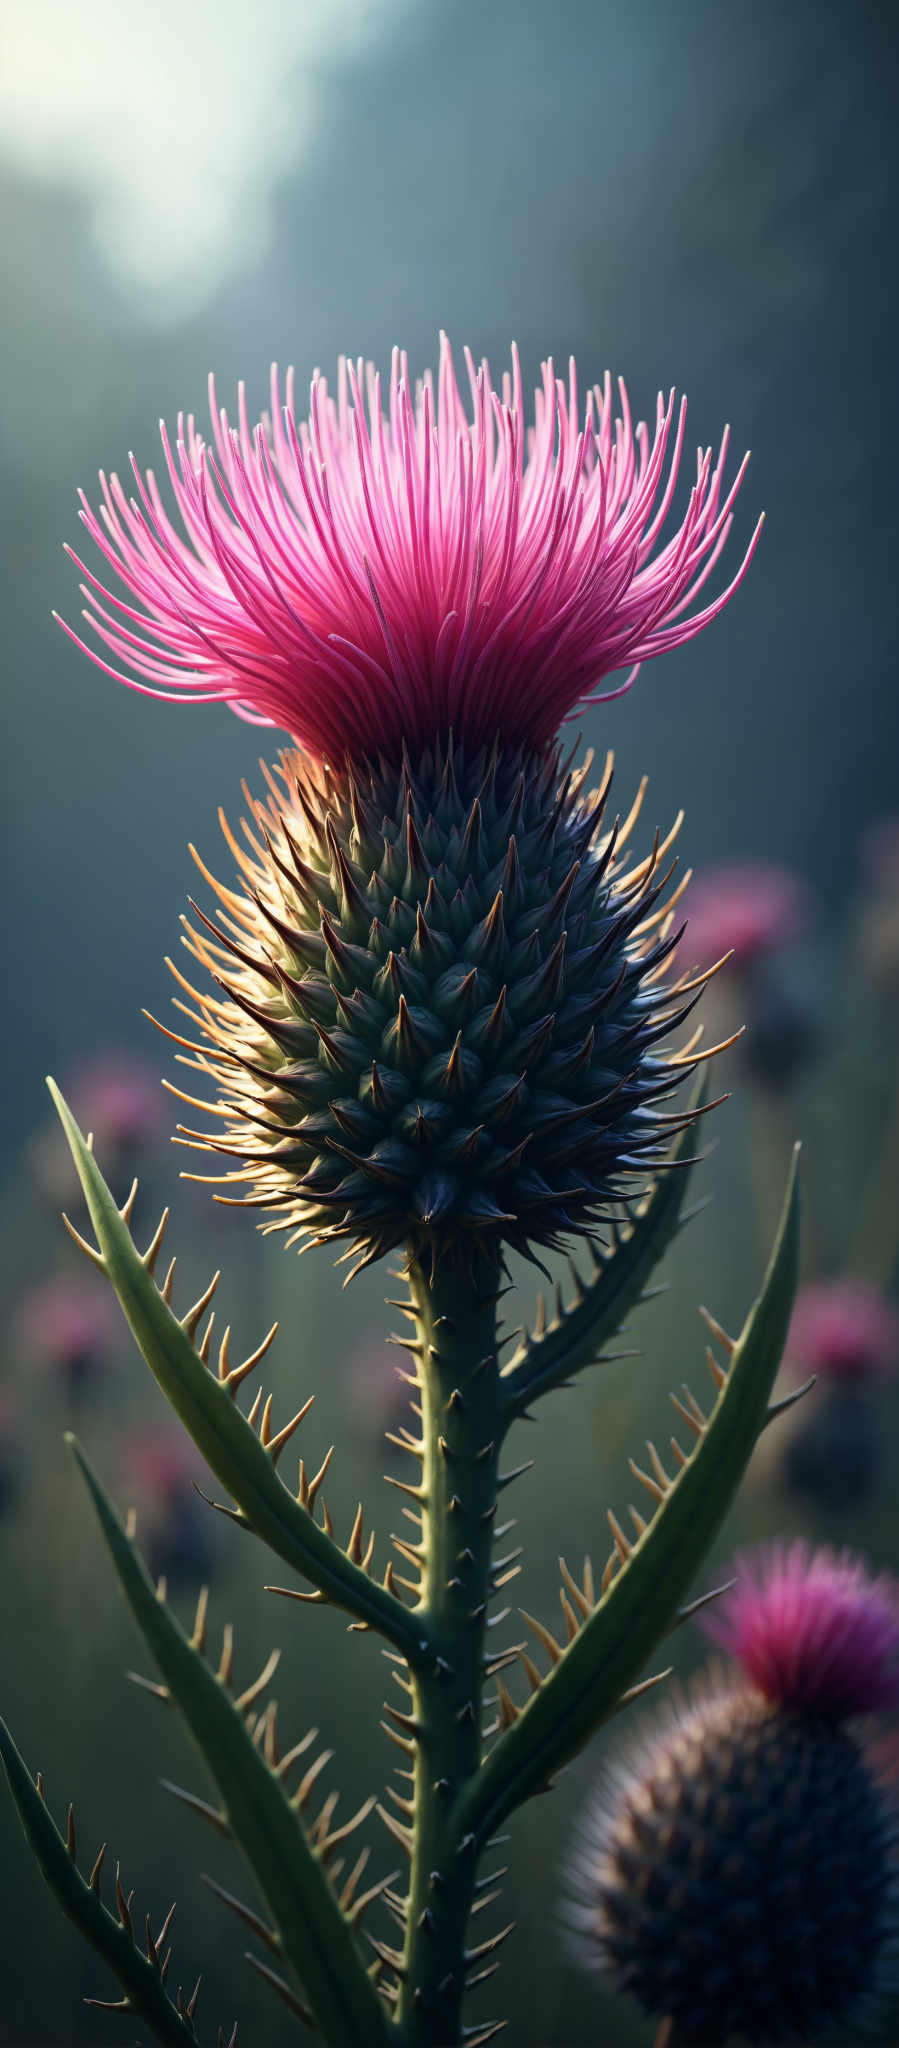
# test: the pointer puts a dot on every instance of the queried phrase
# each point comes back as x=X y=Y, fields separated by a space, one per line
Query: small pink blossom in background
x=163 y=1463
x=746 y=908
x=10 y=1423
x=118 y=1097
x=69 y=1324
x=375 y=1397
x=879 y=910
x=362 y=580
x=812 y=1630
x=176 y=1529
x=844 y=1330
x=880 y=851
x=882 y=1753
x=9 y=1447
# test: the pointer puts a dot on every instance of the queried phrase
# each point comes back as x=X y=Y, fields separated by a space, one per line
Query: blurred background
x=694 y=195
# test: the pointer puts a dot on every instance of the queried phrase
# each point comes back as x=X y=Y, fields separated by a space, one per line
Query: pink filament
x=362 y=581
x=812 y=1630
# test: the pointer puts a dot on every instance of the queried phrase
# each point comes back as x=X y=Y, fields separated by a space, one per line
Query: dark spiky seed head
x=742 y=1883
x=836 y=1456
x=445 y=1005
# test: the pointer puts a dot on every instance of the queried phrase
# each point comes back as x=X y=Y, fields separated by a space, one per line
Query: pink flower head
x=880 y=852
x=118 y=1098
x=878 y=932
x=375 y=1394
x=844 y=1330
x=9 y=1449
x=746 y=908
x=812 y=1630
x=363 y=580
x=162 y=1463
x=10 y=1420
x=68 y=1323
x=175 y=1531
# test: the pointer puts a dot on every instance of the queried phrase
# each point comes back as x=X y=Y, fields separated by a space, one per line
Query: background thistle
x=740 y=1875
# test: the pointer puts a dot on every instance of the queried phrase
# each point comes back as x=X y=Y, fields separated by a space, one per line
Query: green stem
x=462 y=1427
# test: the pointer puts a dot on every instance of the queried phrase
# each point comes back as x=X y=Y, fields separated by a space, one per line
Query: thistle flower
x=812 y=1631
x=10 y=1454
x=844 y=1330
x=737 y=1876
x=847 y=1333
x=444 y=1008
x=880 y=852
x=375 y=1395
x=835 y=1456
x=368 y=583
x=748 y=909
x=68 y=1325
x=165 y=1472
x=877 y=929
x=751 y=911
x=116 y=1095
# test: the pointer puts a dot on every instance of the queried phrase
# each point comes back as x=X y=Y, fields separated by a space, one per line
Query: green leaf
x=316 y=1937
x=141 y=1976
x=207 y=1408
x=589 y=1678
x=548 y=1355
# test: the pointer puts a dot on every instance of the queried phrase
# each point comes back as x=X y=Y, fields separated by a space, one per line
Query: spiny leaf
x=239 y=1458
x=547 y=1355
x=316 y=1936
x=647 y=1578
x=142 y=1977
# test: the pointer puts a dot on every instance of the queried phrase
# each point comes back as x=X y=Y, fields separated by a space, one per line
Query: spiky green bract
x=445 y=1010
x=142 y=1977
x=649 y=1573
x=314 y=1936
x=742 y=1881
x=205 y=1400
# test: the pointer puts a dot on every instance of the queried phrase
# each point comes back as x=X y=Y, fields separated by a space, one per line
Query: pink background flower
x=812 y=1630
x=880 y=851
x=69 y=1321
x=118 y=1097
x=747 y=908
x=162 y=1462
x=844 y=1330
